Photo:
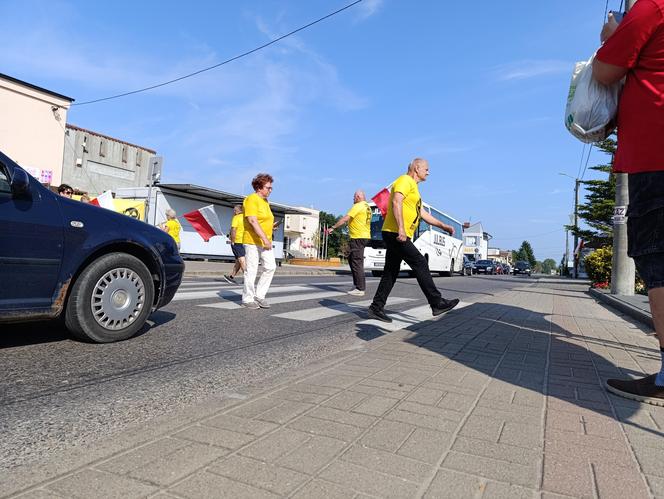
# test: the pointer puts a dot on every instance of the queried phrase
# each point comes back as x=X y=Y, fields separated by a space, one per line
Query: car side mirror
x=20 y=182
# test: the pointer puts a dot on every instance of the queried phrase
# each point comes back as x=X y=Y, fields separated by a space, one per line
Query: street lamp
x=576 y=219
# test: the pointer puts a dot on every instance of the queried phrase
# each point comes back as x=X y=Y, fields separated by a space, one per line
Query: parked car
x=468 y=266
x=484 y=267
x=522 y=267
x=102 y=272
x=507 y=269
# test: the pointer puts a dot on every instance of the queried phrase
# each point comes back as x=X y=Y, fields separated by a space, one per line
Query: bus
x=443 y=252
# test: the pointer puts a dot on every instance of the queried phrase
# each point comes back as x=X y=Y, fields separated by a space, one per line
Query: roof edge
x=35 y=87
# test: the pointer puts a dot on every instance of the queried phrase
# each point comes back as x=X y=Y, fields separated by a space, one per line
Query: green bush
x=598 y=265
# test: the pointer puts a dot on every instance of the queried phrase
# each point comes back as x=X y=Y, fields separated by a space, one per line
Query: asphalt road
x=56 y=392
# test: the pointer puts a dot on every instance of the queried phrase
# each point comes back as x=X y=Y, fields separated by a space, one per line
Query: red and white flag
x=205 y=221
x=382 y=199
x=104 y=200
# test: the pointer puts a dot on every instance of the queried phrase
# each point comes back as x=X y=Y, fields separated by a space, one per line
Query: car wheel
x=377 y=273
x=111 y=299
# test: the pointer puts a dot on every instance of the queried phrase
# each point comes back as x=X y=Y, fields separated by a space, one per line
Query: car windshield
x=522 y=264
x=485 y=262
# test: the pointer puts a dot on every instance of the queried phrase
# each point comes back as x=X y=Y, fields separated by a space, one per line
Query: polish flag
x=205 y=221
x=382 y=199
x=104 y=200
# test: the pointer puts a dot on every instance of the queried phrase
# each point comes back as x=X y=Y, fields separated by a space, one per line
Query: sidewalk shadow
x=527 y=349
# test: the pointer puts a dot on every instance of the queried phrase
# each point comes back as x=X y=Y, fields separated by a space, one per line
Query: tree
x=337 y=242
x=548 y=265
x=597 y=211
x=525 y=253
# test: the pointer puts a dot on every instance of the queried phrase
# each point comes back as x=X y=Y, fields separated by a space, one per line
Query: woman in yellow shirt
x=257 y=239
x=172 y=226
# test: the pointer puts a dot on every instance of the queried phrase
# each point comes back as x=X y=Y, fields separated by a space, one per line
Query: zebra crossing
x=229 y=297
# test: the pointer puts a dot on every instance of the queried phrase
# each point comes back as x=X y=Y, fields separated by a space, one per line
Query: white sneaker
x=251 y=305
x=356 y=292
x=261 y=302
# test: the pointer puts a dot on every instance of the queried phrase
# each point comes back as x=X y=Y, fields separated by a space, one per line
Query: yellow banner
x=131 y=207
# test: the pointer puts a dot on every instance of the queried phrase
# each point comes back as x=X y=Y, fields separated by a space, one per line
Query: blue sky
x=477 y=88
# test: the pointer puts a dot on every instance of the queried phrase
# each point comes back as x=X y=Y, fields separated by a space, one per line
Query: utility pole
x=622 y=266
x=576 y=228
x=575 y=269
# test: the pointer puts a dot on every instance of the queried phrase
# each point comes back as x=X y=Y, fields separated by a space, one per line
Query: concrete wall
x=95 y=163
x=31 y=132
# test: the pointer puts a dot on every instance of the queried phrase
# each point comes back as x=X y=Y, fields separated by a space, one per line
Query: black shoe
x=379 y=315
x=229 y=279
x=444 y=306
x=643 y=389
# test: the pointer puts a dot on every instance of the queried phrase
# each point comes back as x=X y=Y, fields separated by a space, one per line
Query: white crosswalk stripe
x=327 y=311
x=225 y=292
x=230 y=305
x=405 y=318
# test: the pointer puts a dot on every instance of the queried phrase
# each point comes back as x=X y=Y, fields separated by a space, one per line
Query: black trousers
x=356 y=261
x=407 y=252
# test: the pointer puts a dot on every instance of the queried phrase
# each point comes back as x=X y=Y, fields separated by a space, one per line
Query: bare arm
x=428 y=218
x=341 y=221
x=608 y=74
x=253 y=221
x=233 y=234
x=397 y=207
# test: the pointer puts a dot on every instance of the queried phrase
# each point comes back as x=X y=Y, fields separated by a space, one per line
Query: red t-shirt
x=638 y=44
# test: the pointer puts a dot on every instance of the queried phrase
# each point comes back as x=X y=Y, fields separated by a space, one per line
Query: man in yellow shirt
x=172 y=226
x=359 y=227
x=257 y=239
x=404 y=212
x=237 y=247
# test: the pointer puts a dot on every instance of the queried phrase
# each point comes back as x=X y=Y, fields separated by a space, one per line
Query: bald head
x=359 y=196
x=418 y=169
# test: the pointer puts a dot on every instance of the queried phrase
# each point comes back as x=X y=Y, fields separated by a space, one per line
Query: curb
x=624 y=307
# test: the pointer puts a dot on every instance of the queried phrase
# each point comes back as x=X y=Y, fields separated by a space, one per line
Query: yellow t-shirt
x=359 y=225
x=256 y=206
x=237 y=223
x=412 y=203
x=173 y=228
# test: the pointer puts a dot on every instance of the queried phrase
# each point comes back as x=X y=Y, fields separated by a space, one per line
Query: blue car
x=103 y=273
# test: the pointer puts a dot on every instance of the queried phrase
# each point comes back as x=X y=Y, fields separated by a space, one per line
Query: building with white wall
x=301 y=233
x=32 y=128
x=476 y=241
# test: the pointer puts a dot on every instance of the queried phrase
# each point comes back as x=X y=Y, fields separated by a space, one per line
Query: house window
x=124 y=154
x=85 y=143
x=138 y=158
x=102 y=148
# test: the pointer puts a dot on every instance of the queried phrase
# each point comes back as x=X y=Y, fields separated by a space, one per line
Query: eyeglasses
x=68 y=193
x=268 y=188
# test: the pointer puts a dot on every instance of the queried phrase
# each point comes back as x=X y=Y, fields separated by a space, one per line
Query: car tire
x=111 y=299
x=377 y=273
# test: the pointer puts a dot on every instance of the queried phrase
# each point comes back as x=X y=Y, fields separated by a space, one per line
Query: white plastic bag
x=591 y=106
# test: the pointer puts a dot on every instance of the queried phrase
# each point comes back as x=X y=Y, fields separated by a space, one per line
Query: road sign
x=619 y=213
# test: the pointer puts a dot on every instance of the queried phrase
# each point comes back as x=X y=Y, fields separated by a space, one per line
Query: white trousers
x=253 y=256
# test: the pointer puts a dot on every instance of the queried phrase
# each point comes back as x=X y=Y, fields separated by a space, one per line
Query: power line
x=587 y=159
x=244 y=54
x=583 y=153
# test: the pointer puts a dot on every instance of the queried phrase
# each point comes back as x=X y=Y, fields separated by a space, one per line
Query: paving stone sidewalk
x=502 y=398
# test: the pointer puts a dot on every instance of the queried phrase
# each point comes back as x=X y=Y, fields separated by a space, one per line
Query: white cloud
x=218 y=128
x=521 y=70
x=368 y=8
